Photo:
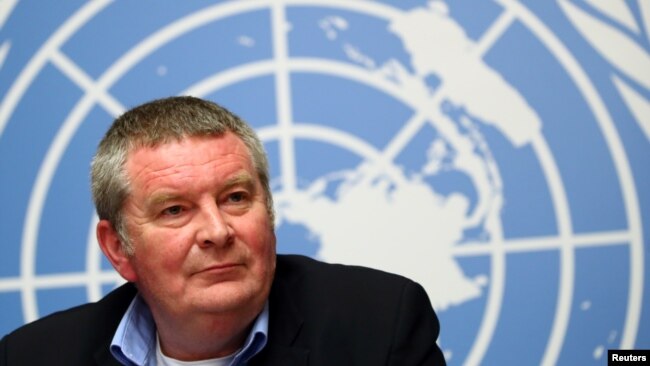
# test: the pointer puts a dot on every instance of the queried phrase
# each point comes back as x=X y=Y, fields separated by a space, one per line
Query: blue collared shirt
x=134 y=342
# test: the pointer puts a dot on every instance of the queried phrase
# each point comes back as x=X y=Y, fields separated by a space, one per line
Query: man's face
x=197 y=218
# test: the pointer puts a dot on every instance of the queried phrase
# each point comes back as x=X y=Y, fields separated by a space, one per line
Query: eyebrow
x=242 y=178
x=159 y=199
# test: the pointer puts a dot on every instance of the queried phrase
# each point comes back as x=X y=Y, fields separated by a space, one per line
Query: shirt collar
x=134 y=342
x=134 y=339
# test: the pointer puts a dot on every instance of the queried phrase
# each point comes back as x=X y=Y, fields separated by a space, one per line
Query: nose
x=213 y=228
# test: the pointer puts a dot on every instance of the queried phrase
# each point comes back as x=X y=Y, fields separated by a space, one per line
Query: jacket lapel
x=285 y=323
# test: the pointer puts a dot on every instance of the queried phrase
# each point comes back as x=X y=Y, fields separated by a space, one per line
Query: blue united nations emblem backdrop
x=498 y=152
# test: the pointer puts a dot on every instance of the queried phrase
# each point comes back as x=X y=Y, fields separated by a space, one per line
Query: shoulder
x=355 y=315
x=346 y=289
x=297 y=267
x=74 y=330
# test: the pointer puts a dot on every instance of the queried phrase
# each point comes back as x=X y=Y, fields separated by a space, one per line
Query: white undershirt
x=162 y=360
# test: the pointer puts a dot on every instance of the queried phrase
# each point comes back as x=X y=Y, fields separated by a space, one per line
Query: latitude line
x=545 y=243
x=8 y=284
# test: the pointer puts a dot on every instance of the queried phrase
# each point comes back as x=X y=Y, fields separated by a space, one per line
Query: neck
x=203 y=337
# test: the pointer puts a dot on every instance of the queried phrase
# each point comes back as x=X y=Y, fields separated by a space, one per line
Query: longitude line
x=493 y=306
x=283 y=95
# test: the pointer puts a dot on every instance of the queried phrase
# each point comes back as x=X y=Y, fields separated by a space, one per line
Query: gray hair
x=159 y=122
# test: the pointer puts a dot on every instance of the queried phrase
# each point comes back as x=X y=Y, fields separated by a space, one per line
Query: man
x=181 y=187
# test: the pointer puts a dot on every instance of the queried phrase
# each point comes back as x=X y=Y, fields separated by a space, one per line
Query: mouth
x=219 y=269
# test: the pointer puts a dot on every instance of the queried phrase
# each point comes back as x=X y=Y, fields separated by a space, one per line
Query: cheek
x=265 y=250
x=259 y=235
x=166 y=249
x=259 y=239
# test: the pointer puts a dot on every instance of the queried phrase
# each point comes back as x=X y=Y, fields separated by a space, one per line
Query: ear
x=111 y=245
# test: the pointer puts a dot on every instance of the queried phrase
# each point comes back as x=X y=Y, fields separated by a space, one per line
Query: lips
x=222 y=268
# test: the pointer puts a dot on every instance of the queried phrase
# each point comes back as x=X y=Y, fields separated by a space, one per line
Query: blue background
x=37 y=99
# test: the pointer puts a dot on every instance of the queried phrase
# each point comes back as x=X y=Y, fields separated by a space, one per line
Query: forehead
x=227 y=142
x=188 y=154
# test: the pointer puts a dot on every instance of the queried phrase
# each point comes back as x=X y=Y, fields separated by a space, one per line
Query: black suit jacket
x=320 y=314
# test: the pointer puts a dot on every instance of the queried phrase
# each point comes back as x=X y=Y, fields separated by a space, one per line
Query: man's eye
x=236 y=197
x=173 y=210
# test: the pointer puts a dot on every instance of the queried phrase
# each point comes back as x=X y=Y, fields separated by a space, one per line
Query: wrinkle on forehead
x=178 y=156
x=175 y=168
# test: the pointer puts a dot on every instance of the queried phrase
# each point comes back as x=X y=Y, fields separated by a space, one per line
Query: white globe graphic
x=421 y=180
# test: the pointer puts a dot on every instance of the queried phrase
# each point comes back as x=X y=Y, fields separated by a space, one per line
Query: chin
x=224 y=298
